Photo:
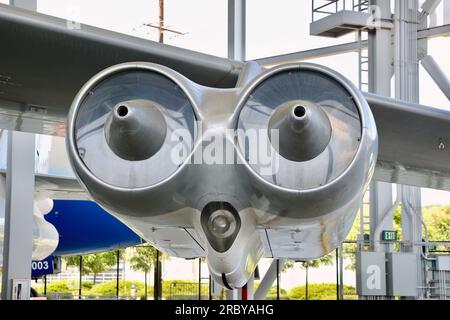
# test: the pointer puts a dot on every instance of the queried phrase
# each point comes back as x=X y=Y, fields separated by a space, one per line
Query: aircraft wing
x=414 y=143
x=45 y=61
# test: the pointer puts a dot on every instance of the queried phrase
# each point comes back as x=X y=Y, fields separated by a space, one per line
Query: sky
x=273 y=27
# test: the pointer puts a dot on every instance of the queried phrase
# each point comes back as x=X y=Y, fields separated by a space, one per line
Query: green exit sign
x=389 y=235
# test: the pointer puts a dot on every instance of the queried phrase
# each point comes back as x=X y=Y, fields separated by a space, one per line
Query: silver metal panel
x=443 y=262
x=291 y=243
x=266 y=244
x=176 y=242
x=340 y=23
x=402 y=274
x=178 y=200
x=371 y=273
x=446 y=11
x=414 y=143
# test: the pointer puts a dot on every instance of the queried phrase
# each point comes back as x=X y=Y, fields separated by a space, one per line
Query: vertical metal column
x=80 y=281
x=337 y=274
x=236 y=51
x=236 y=29
x=380 y=203
x=380 y=68
x=17 y=246
x=199 y=278
x=251 y=288
x=278 y=279
x=380 y=74
x=157 y=283
x=45 y=285
x=380 y=51
x=341 y=272
x=117 y=273
x=407 y=88
x=161 y=21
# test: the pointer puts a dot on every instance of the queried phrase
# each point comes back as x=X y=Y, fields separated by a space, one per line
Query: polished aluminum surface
x=270 y=93
x=120 y=89
x=320 y=215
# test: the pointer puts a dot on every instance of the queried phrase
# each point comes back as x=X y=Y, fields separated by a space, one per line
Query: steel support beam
x=236 y=29
x=80 y=279
x=311 y=54
x=157 y=277
x=380 y=74
x=434 y=32
x=428 y=8
x=199 y=278
x=446 y=11
x=436 y=73
x=380 y=53
x=25 y=4
x=407 y=89
x=17 y=246
x=341 y=272
x=380 y=204
x=117 y=273
x=267 y=282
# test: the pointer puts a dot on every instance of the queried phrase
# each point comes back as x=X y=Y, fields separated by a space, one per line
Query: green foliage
x=108 y=289
x=183 y=289
x=142 y=258
x=95 y=263
x=58 y=287
x=87 y=285
x=272 y=295
x=437 y=220
x=324 y=261
x=64 y=286
x=324 y=291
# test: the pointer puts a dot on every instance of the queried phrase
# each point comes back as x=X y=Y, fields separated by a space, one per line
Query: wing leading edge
x=45 y=62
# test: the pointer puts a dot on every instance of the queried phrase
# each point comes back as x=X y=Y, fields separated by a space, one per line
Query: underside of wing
x=414 y=143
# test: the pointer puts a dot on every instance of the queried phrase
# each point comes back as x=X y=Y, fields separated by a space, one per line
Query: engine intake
x=135 y=130
x=304 y=130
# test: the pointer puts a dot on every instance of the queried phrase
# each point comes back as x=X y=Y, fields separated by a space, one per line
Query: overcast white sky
x=273 y=27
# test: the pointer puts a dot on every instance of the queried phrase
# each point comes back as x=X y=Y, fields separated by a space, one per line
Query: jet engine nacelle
x=293 y=147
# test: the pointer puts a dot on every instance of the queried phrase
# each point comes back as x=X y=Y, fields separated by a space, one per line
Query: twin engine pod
x=301 y=138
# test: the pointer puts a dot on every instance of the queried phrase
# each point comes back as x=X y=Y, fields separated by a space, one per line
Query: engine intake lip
x=367 y=126
x=81 y=170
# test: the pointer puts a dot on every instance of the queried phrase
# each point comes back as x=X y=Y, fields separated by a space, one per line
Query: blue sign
x=42 y=267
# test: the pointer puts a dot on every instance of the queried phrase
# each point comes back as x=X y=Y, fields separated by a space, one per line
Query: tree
x=94 y=263
x=142 y=260
x=324 y=261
